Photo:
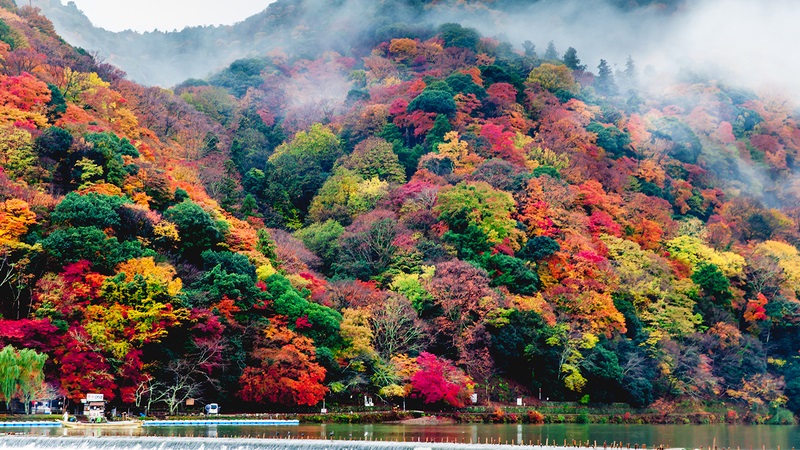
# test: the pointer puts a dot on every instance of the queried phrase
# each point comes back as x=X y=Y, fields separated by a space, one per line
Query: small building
x=94 y=407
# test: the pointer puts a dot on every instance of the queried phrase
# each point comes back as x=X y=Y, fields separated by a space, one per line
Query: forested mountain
x=296 y=27
x=167 y=58
x=436 y=215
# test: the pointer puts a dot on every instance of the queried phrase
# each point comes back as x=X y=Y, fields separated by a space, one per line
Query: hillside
x=167 y=58
x=550 y=226
x=305 y=27
x=438 y=215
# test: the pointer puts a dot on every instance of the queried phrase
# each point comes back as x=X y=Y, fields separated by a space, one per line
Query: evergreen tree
x=454 y=35
x=227 y=193
x=57 y=105
x=572 y=61
x=551 y=54
x=630 y=70
x=249 y=206
x=266 y=245
x=198 y=230
x=530 y=49
x=441 y=126
x=434 y=101
x=604 y=83
x=630 y=67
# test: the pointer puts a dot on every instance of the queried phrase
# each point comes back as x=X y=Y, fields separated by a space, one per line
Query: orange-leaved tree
x=288 y=373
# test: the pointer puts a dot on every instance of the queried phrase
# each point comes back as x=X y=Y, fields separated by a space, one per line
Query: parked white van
x=212 y=408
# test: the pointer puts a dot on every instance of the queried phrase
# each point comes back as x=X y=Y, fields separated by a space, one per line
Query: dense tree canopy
x=468 y=218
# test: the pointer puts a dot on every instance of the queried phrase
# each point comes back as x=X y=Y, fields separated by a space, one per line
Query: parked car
x=212 y=408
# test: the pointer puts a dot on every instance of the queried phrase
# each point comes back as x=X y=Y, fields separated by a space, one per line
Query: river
x=670 y=436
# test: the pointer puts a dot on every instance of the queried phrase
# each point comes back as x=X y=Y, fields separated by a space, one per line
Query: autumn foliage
x=288 y=372
x=423 y=220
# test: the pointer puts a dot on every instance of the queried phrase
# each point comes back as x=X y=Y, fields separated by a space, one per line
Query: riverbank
x=539 y=413
x=544 y=413
x=568 y=412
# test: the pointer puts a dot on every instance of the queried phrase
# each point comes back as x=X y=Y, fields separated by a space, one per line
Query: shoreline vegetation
x=543 y=416
x=544 y=413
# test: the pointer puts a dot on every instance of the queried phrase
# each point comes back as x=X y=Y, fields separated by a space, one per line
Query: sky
x=166 y=15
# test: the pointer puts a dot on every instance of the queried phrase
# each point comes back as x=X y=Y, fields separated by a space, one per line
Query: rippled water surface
x=744 y=437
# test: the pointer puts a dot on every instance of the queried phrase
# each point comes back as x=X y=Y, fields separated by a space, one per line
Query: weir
x=167 y=443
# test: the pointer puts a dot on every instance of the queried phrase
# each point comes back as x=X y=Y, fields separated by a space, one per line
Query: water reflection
x=680 y=436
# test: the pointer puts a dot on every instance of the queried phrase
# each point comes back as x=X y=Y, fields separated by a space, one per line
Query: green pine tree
x=551 y=54
x=441 y=126
x=604 y=83
x=572 y=61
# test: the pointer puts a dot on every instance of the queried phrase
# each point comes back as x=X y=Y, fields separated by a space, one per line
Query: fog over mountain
x=662 y=36
x=166 y=15
x=159 y=58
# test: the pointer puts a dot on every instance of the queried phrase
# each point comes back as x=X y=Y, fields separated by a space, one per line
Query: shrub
x=535 y=417
x=782 y=417
x=498 y=415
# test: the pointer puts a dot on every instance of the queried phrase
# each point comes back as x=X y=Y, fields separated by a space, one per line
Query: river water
x=745 y=437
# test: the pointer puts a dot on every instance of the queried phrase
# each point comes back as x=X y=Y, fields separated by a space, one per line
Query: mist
x=304 y=28
x=150 y=15
x=750 y=42
x=738 y=42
